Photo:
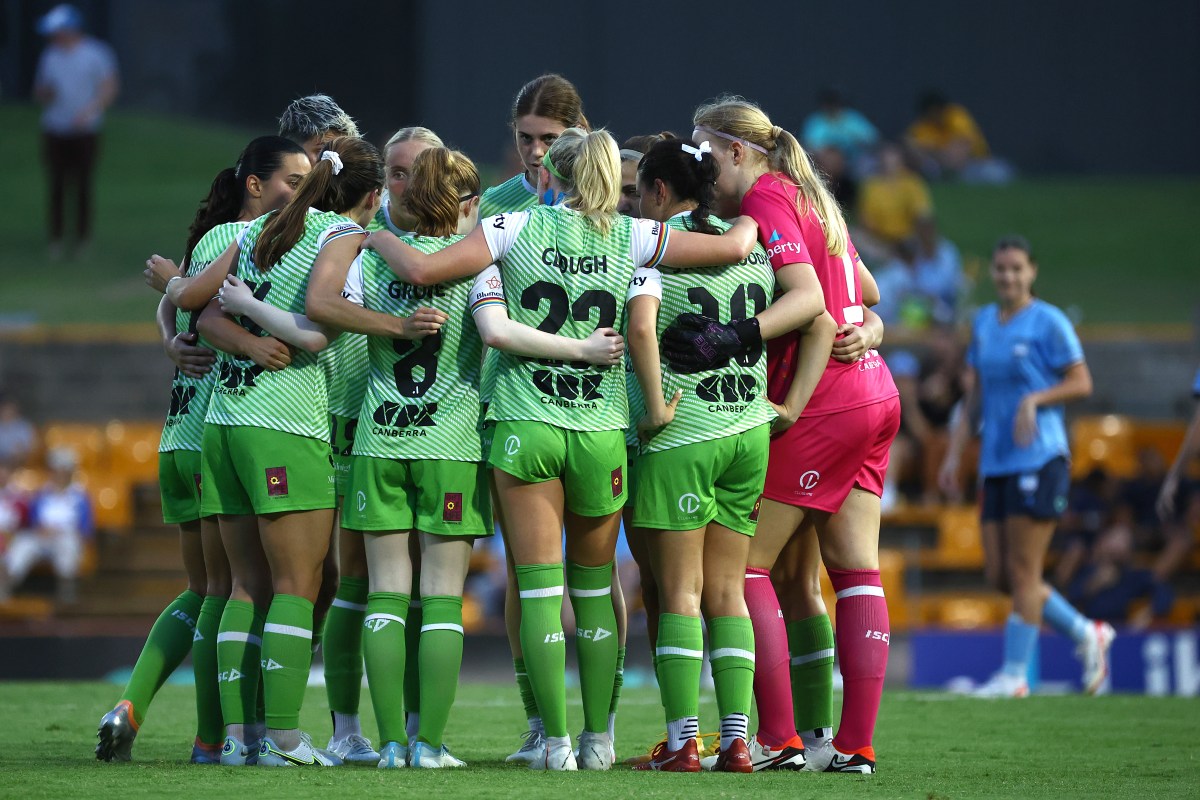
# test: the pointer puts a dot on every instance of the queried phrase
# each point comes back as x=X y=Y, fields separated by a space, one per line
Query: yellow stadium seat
x=969 y=612
x=133 y=449
x=959 y=543
x=1106 y=441
x=891 y=575
x=112 y=502
x=86 y=440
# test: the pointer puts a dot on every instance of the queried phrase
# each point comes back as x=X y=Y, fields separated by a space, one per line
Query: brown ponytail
x=440 y=179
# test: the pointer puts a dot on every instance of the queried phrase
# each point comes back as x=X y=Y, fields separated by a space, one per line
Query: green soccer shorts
x=248 y=470
x=341 y=442
x=445 y=498
x=179 y=485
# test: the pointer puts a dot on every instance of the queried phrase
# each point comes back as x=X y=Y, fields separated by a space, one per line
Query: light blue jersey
x=1028 y=353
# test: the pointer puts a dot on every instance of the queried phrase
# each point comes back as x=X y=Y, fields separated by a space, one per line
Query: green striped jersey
x=294 y=399
x=422 y=399
x=382 y=221
x=345 y=365
x=733 y=398
x=562 y=276
x=515 y=194
x=184 y=427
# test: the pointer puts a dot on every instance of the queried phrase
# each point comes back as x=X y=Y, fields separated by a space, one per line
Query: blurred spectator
x=1189 y=449
x=1091 y=503
x=14 y=517
x=16 y=433
x=922 y=284
x=1169 y=538
x=841 y=141
x=930 y=388
x=1108 y=588
x=948 y=142
x=891 y=204
x=76 y=81
x=60 y=520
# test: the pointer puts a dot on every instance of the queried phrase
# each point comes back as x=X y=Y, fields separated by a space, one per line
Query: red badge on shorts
x=196 y=478
x=276 y=481
x=617 y=482
x=757 y=507
x=452 y=507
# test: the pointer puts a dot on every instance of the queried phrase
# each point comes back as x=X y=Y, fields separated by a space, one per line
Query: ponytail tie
x=333 y=158
x=698 y=152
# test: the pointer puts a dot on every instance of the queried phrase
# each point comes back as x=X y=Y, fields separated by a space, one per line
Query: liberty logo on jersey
x=277 y=485
x=689 y=503
x=391 y=417
x=775 y=237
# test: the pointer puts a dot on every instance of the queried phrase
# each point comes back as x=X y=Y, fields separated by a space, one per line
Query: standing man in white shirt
x=76 y=81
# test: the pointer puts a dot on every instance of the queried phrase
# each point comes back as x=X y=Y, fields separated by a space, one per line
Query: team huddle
x=380 y=362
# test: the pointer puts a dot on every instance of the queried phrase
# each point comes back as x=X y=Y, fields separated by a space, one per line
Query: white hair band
x=698 y=152
x=732 y=138
x=333 y=158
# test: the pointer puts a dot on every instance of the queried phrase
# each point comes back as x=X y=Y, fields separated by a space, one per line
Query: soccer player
x=313 y=121
x=559 y=452
x=1025 y=361
x=264 y=178
x=268 y=431
x=700 y=466
x=827 y=466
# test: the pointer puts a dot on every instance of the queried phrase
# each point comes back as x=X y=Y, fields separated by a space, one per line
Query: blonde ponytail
x=440 y=179
x=737 y=118
x=590 y=164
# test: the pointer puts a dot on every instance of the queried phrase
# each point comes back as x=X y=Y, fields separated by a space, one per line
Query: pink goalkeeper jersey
x=790 y=238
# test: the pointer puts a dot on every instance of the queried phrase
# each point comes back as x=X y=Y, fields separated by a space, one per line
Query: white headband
x=333 y=158
x=631 y=155
x=732 y=138
x=698 y=152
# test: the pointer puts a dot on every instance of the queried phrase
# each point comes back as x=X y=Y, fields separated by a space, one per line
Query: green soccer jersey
x=184 y=427
x=731 y=399
x=422 y=399
x=345 y=364
x=562 y=276
x=294 y=399
x=515 y=194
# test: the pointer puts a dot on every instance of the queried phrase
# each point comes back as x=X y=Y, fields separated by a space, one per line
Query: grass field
x=1117 y=249
x=929 y=746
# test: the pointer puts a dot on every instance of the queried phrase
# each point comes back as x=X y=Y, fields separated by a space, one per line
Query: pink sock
x=863 y=635
x=772 y=667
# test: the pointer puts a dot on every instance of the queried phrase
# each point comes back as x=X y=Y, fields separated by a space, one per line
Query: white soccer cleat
x=559 y=758
x=236 y=753
x=789 y=757
x=304 y=755
x=423 y=755
x=532 y=750
x=354 y=750
x=1003 y=685
x=393 y=755
x=595 y=751
x=1093 y=652
x=828 y=758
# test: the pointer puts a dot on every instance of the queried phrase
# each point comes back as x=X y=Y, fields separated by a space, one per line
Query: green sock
x=209 y=726
x=343 y=646
x=618 y=681
x=383 y=647
x=441 y=660
x=731 y=652
x=412 y=644
x=526 y=688
x=810 y=642
x=679 y=658
x=169 y=642
x=239 y=648
x=596 y=643
x=543 y=642
x=286 y=659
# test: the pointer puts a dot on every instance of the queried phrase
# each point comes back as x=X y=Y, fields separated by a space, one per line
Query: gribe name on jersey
x=398 y=290
x=576 y=265
x=390 y=414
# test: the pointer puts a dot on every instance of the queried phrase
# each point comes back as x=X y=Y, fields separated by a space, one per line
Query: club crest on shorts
x=756 y=509
x=617 y=482
x=452 y=507
x=277 y=481
x=196 y=478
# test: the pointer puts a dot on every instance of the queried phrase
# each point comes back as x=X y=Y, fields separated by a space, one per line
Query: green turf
x=929 y=746
x=1118 y=249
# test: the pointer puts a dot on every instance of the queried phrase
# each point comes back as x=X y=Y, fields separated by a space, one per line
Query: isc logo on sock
x=879 y=635
x=596 y=635
x=551 y=638
x=184 y=618
x=376 y=624
x=271 y=664
x=229 y=676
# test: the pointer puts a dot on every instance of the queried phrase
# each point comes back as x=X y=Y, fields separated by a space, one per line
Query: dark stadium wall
x=1070 y=86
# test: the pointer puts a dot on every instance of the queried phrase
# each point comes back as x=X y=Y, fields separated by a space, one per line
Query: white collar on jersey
x=528 y=186
x=387 y=218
